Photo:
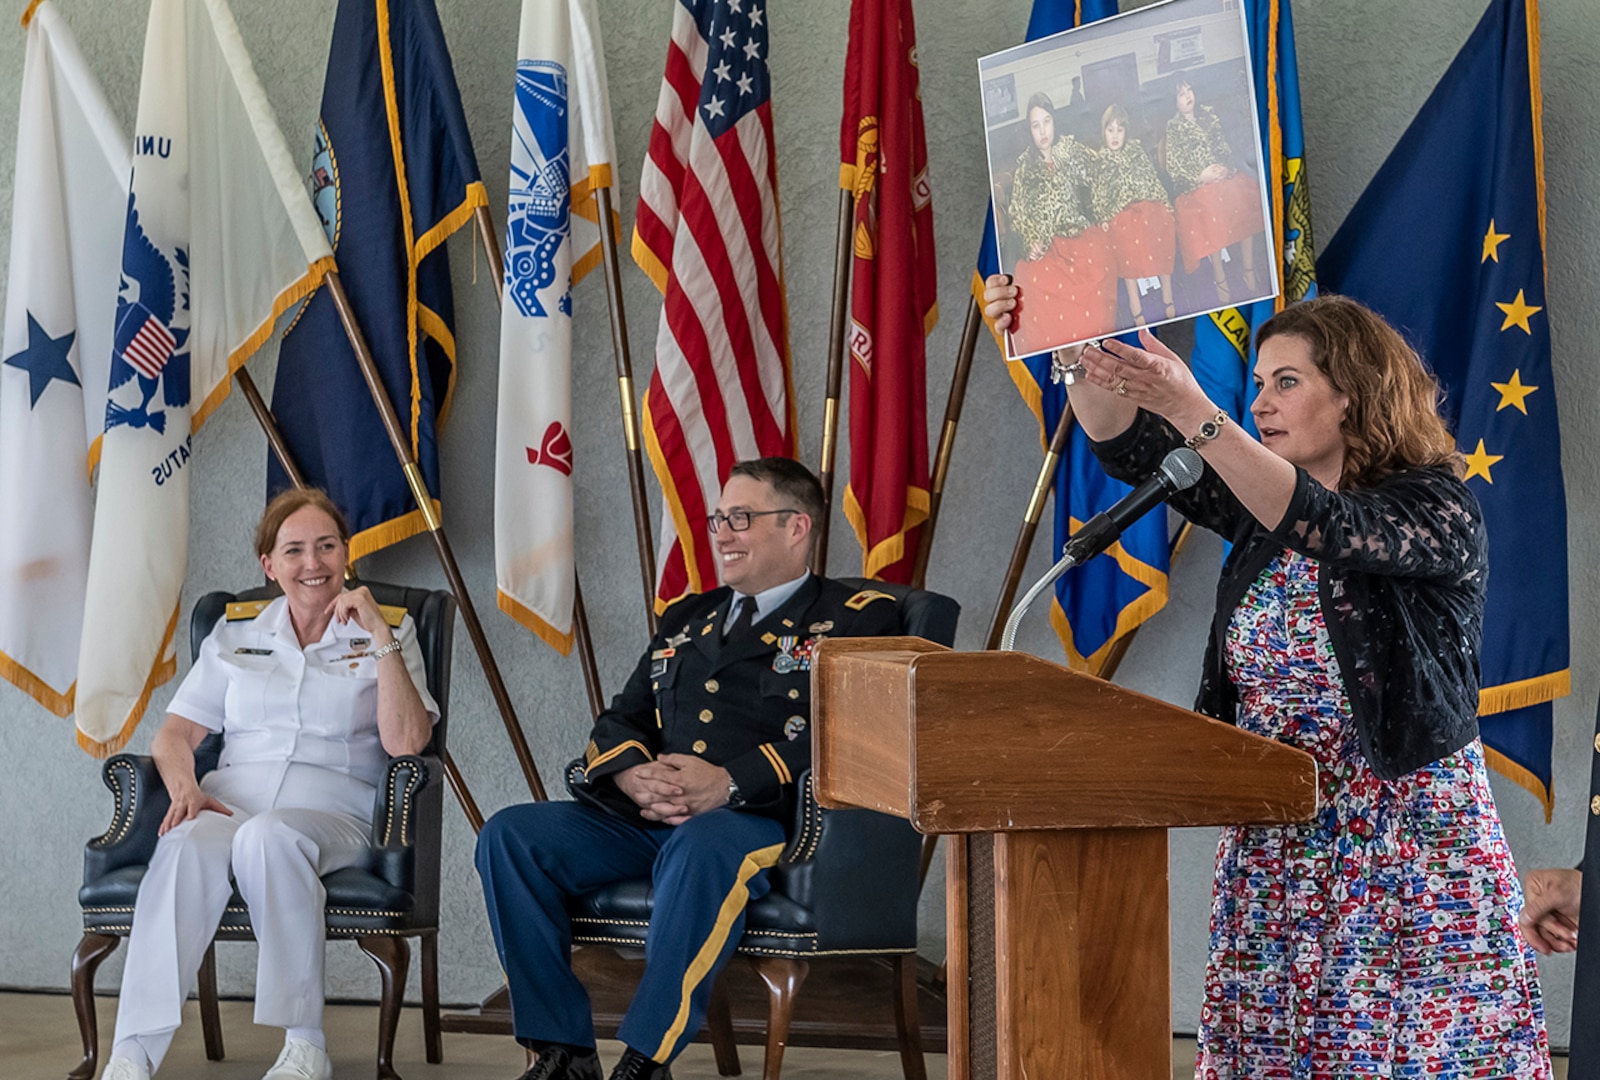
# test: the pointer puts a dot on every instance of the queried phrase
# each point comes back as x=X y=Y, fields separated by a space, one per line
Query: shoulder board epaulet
x=865 y=597
x=246 y=609
x=392 y=615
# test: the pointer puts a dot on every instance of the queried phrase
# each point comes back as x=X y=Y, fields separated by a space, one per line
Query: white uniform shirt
x=280 y=707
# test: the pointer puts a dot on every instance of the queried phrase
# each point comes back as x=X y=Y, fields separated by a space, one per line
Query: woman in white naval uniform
x=313 y=695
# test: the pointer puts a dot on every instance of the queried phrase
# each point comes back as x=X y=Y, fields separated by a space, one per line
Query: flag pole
x=280 y=450
x=1113 y=660
x=830 y=407
x=580 y=618
x=630 y=413
x=947 y=439
x=447 y=558
x=1030 y=525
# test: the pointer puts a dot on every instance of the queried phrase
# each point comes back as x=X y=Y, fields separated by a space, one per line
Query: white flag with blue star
x=561 y=155
x=66 y=222
x=220 y=240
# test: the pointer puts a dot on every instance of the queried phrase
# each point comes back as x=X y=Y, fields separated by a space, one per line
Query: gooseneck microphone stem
x=1008 y=636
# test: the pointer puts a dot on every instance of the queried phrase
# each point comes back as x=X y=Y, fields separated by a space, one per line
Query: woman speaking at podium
x=1381 y=938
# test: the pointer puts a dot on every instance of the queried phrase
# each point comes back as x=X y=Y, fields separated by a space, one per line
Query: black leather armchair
x=393 y=897
x=846 y=885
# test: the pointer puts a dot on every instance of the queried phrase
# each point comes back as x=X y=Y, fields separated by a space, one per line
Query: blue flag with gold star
x=1113 y=593
x=1447 y=243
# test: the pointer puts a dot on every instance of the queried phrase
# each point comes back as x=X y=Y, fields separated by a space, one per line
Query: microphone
x=1180 y=469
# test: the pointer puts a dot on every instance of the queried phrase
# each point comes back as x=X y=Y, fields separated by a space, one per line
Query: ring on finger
x=1121 y=388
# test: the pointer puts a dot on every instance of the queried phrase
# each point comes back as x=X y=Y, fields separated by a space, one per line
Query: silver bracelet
x=393 y=646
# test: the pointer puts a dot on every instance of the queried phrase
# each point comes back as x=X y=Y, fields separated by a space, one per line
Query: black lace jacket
x=1403 y=573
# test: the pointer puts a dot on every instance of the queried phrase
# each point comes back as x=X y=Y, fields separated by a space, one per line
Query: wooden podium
x=1062 y=787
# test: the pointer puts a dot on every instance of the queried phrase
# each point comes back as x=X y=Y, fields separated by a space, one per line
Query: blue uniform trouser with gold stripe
x=533 y=857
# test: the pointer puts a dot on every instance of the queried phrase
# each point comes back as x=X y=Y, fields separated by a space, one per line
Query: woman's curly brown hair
x=1393 y=420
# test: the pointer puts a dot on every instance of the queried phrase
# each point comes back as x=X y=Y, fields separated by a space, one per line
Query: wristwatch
x=735 y=796
x=1208 y=430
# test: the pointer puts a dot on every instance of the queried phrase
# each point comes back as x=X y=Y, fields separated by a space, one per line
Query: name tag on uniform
x=246 y=651
x=658 y=661
x=362 y=655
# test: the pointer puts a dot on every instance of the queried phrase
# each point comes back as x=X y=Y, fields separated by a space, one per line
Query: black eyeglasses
x=739 y=520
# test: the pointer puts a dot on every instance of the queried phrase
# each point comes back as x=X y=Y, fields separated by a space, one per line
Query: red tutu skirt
x=1214 y=215
x=1144 y=238
x=1067 y=294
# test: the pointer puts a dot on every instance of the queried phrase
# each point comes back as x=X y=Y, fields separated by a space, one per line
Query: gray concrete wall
x=1366 y=66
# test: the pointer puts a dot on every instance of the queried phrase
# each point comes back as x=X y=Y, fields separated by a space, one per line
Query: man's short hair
x=794 y=483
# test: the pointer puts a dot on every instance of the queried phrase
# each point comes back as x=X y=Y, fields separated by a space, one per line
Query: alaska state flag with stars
x=1447 y=243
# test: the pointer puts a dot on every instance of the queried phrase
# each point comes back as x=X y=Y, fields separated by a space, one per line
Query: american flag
x=707 y=233
x=150 y=348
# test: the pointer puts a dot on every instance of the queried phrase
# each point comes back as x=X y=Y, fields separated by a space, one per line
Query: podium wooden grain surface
x=1059 y=941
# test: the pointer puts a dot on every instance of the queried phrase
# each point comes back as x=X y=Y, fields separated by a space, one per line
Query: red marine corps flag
x=893 y=300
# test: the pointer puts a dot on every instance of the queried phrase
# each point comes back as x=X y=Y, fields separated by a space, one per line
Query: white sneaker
x=301 y=1061
x=125 y=1068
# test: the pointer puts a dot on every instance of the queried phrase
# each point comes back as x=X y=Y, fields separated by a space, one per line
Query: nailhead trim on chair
x=804 y=846
x=758 y=951
x=590 y=920
x=122 y=813
x=413 y=777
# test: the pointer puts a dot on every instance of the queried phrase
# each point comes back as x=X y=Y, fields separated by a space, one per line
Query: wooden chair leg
x=907 y=1020
x=393 y=956
x=719 y=1022
x=210 y=1016
x=431 y=1036
x=783 y=976
x=86 y=958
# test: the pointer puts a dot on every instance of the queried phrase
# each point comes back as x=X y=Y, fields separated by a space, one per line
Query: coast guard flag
x=561 y=154
x=1224 y=342
x=219 y=241
x=706 y=232
x=66 y=236
x=393 y=175
x=893 y=287
x=1113 y=593
x=1462 y=195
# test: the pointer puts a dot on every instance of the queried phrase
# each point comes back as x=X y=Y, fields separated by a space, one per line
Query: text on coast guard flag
x=1462 y=194
x=1113 y=593
x=393 y=175
x=66 y=236
x=893 y=288
x=561 y=154
x=707 y=233
x=1224 y=341
x=219 y=241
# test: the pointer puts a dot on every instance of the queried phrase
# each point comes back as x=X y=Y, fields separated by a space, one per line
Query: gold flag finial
x=27 y=16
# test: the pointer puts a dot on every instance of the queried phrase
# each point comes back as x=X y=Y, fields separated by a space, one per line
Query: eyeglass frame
x=714 y=522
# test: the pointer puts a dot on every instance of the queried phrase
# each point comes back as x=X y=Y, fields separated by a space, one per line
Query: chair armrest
x=141 y=802
x=805 y=831
x=857 y=871
x=409 y=797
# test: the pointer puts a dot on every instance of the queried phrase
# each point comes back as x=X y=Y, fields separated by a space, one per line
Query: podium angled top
x=1003 y=741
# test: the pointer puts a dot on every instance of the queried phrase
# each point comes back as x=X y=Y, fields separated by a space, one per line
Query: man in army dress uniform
x=689 y=777
x=1550 y=916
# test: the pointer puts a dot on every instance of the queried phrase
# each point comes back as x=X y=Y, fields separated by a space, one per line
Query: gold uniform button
x=712 y=686
x=1594 y=805
x=705 y=716
x=699 y=746
x=794 y=695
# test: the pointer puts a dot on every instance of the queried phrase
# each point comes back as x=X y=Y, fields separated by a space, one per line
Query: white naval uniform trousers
x=300 y=765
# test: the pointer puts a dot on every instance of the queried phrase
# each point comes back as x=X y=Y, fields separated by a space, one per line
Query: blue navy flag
x=1224 y=342
x=394 y=175
x=1462 y=197
x=1113 y=593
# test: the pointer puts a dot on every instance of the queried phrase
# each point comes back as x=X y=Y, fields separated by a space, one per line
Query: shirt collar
x=770 y=600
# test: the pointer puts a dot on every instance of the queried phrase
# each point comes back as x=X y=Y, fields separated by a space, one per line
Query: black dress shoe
x=635 y=1066
x=559 y=1063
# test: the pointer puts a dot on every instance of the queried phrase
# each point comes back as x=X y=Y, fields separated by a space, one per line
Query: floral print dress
x=1379 y=940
